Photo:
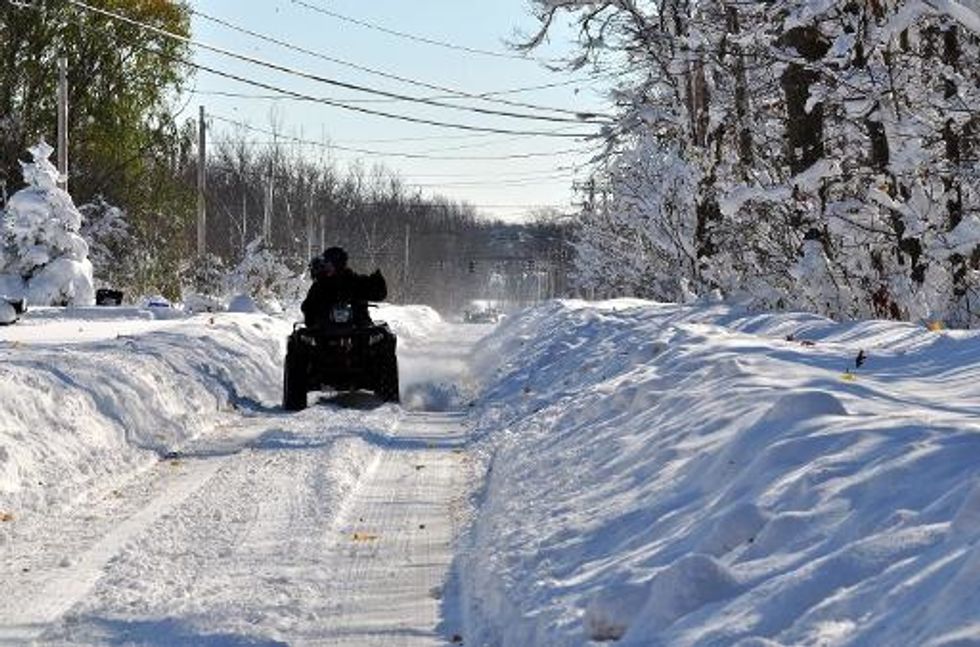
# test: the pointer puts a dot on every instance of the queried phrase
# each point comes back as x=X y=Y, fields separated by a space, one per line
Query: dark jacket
x=345 y=286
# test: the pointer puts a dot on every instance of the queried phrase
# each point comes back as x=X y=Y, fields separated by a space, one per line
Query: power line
x=379 y=113
x=486 y=177
x=429 y=138
x=316 y=77
x=453 y=93
x=518 y=206
x=387 y=140
x=346 y=145
x=529 y=174
x=325 y=101
x=487 y=182
x=419 y=39
x=529 y=88
x=366 y=151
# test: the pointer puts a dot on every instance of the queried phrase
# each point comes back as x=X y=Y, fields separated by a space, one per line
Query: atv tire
x=294 y=380
x=387 y=380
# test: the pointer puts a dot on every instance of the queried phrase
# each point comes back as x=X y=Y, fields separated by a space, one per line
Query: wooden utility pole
x=323 y=230
x=310 y=226
x=201 y=182
x=267 y=211
x=408 y=230
x=244 y=222
x=63 y=122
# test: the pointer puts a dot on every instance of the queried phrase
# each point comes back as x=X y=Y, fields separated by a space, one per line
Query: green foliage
x=124 y=143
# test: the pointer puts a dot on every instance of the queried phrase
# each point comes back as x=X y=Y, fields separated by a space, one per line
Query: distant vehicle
x=108 y=297
x=482 y=311
x=489 y=315
x=344 y=354
x=157 y=301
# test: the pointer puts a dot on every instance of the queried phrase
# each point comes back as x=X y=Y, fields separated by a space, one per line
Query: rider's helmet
x=336 y=256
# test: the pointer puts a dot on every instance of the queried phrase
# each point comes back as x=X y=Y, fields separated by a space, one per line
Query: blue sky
x=502 y=188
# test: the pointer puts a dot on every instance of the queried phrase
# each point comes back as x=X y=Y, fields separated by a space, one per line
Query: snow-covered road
x=331 y=526
x=391 y=550
x=627 y=471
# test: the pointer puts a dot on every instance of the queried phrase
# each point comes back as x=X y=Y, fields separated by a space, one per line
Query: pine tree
x=44 y=258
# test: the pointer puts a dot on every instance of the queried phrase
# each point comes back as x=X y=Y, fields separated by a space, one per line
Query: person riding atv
x=340 y=346
x=334 y=283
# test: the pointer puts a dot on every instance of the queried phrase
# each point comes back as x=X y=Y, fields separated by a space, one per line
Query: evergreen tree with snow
x=43 y=256
x=265 y=276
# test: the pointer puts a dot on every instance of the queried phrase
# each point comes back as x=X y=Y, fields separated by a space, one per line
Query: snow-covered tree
x=204 y=287
x=640 y=228
x=111 y=244
x=44 y=257
x=265 y=275
x=801 y=154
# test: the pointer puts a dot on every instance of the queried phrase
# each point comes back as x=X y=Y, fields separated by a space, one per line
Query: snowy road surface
x=331 y=526
x=390 y=552
x=653 y=474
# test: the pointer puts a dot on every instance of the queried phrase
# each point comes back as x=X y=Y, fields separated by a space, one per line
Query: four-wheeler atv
x=345 y=353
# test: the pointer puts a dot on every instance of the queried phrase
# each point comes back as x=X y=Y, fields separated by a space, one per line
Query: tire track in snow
x=239 y=560
x=393 y=547
x=49 y=580
x=252 y=543
x=52 y=564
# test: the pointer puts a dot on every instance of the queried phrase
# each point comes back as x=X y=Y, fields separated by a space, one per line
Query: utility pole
x=267 y=211
x=309 y=226
x=323 y=231
x=201 y=182
x=244 y=222
x=289 y=214
x=408 y=230
x=63 y=123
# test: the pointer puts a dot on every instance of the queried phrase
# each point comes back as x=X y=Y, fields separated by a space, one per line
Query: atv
x=345 y=353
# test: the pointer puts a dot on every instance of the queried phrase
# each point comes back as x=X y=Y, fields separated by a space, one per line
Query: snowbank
x=71 y=414
x=411 y=323
x=89 y=393
x=667 y=475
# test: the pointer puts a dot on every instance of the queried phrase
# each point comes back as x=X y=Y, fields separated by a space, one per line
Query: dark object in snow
x=342 y=287
x=802 y=342
x=11 y=310
x=860 y=359
x=340 y=346
x=108 y=297
x=342 y=353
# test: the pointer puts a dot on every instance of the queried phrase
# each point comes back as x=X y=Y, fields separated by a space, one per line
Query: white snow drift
x=86 y=393
x=71 y=414
x=655 y=475
x=665 y=475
